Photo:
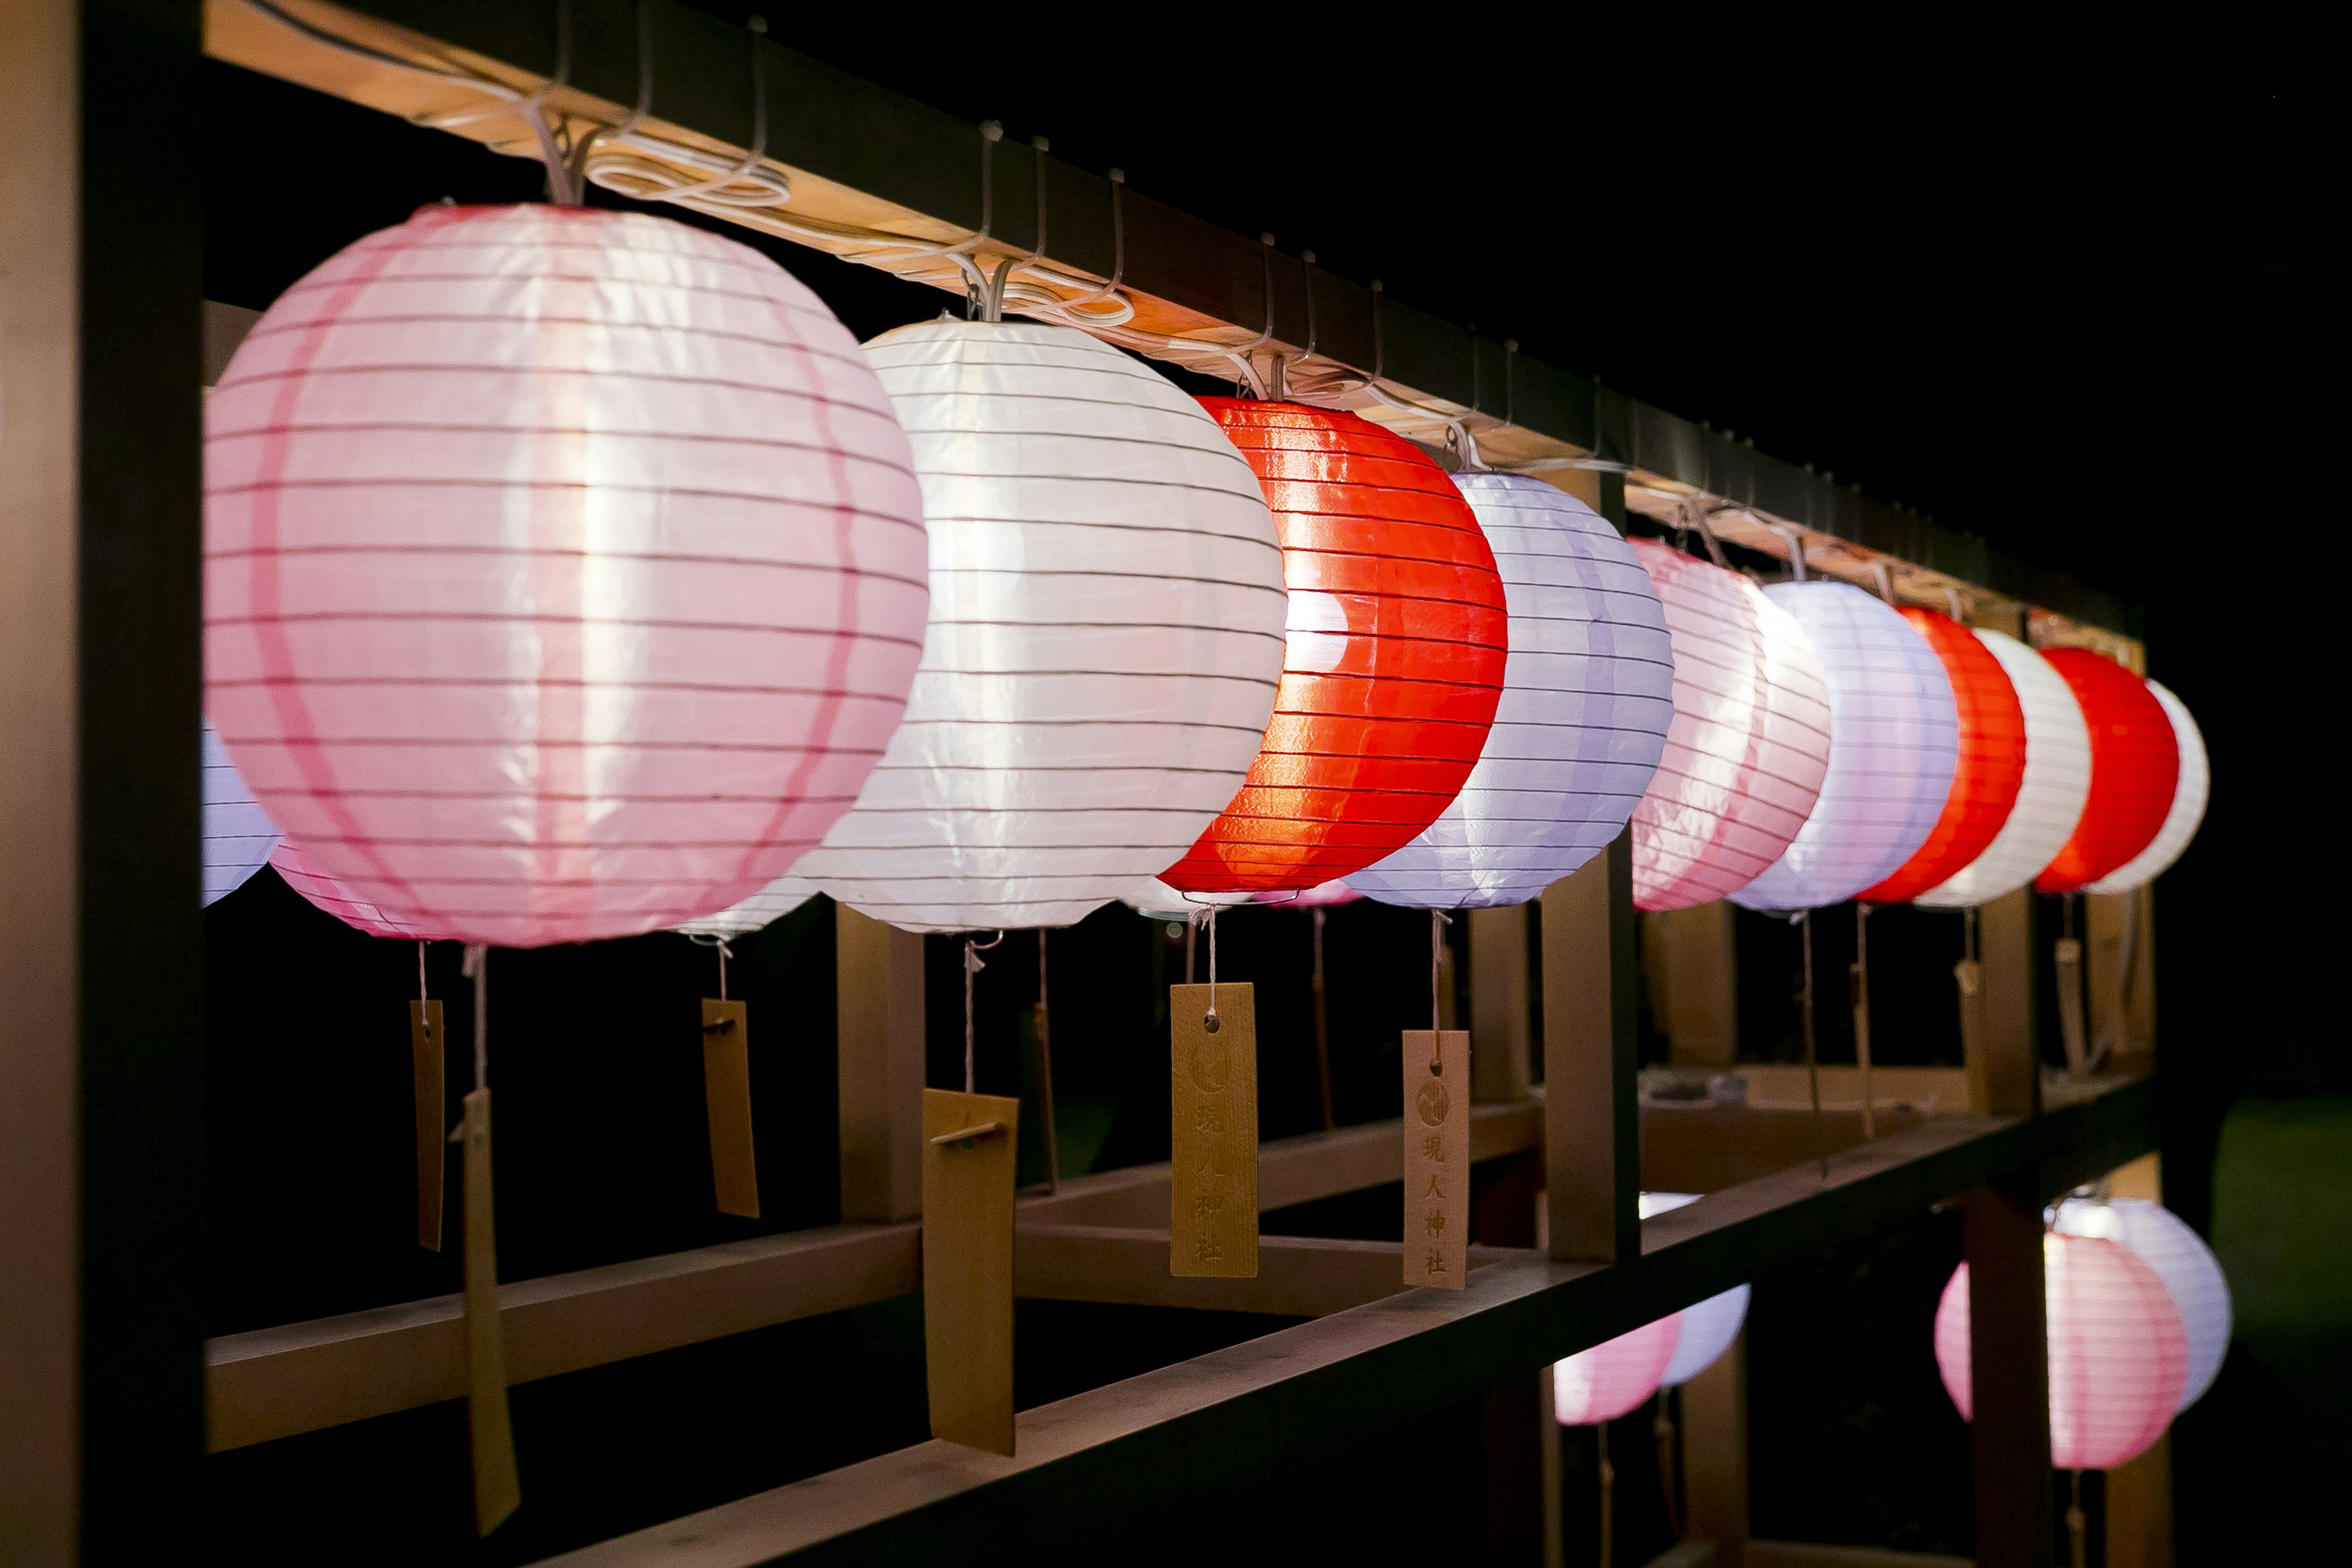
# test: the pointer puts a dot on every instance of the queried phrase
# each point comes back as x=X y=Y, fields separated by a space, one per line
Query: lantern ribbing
x=2184 y=817
x=2050 y=795
x=1991 y=766
x=2135 y=767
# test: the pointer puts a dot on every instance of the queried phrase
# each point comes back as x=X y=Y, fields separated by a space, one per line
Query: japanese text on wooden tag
x=968 y=1147
x=425 y=1051
x=1212 y=1138
x=1437 y=1157
x=726 y=1091
x=498 y=1488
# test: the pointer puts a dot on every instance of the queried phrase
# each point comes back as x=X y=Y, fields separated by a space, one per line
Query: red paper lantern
x=1992 y=767
x=2135 y=767
x=1392 y=656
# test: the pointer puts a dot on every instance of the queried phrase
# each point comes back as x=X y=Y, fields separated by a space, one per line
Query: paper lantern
x=2134 y=769
x=2050 y=796
x=1588 y=693
x=1157 y=900
x=2182 y=819
x=1328 y=895
x=2117 y=1353
x=1750 y=741
x=1893 y=748
x=2191 y=1275
x=1991 y=761
x=762 y=909
x=1613 y=1377
x=1104 y=640
x=1392 y=660
x=564 y=571
x=1707 y=1327
x=238 y=835
x=299 y=873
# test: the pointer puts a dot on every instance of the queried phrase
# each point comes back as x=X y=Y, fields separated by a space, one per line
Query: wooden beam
x=879 y=972
x=1297 y=1277
x=2008 y=1360
x=1591 y=1126
x=2008 y=1068
x=1500 y=1043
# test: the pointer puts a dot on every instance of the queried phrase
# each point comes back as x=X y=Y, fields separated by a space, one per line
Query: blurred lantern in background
x=238 y=835
x=1709 y=1327
x=1748 y=744
x=2118 y=1356
x=1893 y=749
x=1613 y=1377
x=1105 y=638
x=2135 y=768
x=2186 y=812
x=2049 y=795
x=564 y=571
x=1328 y=895
x=1991 y=766
x=1393 y=655
x=2191 y=1273
x=1588 y=694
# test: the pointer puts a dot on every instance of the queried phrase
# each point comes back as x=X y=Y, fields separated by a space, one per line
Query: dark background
x=2063 y=291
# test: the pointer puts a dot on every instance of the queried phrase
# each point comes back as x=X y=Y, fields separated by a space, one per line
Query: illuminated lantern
x=2118 y=1356
x=1106 y=634
x=1392 y=661
x=2050 y=796
x=564 y=571
x=298 y=873
x=1157 y=900
x=1328 y=895
x=2191 y=1273
x=238 y=835
x=1991 y=761
x=2187 y=811
x=1709 y=1327
x=2135 y=768
x=1893 y=748
x=1613 y=1377
x=762 y=909
x=1750 y=741
x=1588 y=693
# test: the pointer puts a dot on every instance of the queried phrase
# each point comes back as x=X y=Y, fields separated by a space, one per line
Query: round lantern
x=564 y=571
x=2186 y=812
x=762 y=909
x=2135 y=768
x=1612 y=1378
x=299 y=873
x=1991 y=761
x=1392 y=658
x=1328 y=895
x=238 y=835
x=1893 y=748
x=1588 y=693
x=1160 y=902
x=1104 y=640
x=1709 y=1327
x=2117 y=1353
x=2050 y=795
x=1748 y=744
x=2191 y=1273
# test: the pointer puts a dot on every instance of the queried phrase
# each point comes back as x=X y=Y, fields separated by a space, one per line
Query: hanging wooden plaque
x=498 y=1488
x=727 y=1092
x=425 y=1043
x=1437 y=1158
x=1212 y=1133
x=968 y=1147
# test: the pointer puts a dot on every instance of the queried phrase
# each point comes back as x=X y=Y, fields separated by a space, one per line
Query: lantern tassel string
x=972 y=966
x=1192 y=934
x=1437 y=924
x=477 y=969
x=422 y=992
x=1210 y=1023
x=1803 y=921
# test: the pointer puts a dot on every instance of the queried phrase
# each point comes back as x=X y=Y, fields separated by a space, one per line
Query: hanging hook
x=972 y=966
x=1795 y=540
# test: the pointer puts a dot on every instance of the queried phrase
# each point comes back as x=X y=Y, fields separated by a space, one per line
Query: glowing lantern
x=1893 y=748
x=1991 y=761
x=1328 y=895
x=2191 y=1273
x=2134 y=768
x=2117 y=1353
x=1588 y=693
x=2186 y=812
x=1393 y=653
x=2050 y=796
x=1750 y=741
x=762 y=909
x=1611 y=1378
x=564 y=571
x=1105 y=638
x=238 y=835
x=1709 y=1327
x=323 y=890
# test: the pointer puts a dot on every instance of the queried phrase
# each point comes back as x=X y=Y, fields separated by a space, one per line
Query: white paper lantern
x=1894 y=745
x=2049 y=801
x=2191 y=1273
x=1160 y=902
x=1709 y=1327
x=1588 y=694
x=2186 y=812
x=238 y=835
x=1105 y=641
x=762 y=909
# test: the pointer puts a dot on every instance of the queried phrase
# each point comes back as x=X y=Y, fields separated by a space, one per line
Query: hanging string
x=1608 y=1496
x=1437 y=924
x=1803 y=921
x=478 y=966
x=1192 y=931
x=423 y=994
x=1045 y=1077
x=1210 y=1023
x=724 y=954
x=1969 y=934
x=1862 y=1013
x=972 y=966
x=2077 y=1523
x=1322 y=1028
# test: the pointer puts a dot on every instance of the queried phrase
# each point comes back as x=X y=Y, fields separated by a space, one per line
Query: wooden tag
x=726 y=1091
x=424 y=1048
x=967 y=1147
x=498 y=1488
x=1212 y=1133
x=1437 y=1158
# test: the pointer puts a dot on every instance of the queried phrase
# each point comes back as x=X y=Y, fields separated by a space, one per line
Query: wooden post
x=1593 y=1154
x=2120 y=958
x=880 y=980
x=1499 y=1003
x=2009 y=1429
x=1700 y=974
x=1715 y=1453
x=2008 y=1066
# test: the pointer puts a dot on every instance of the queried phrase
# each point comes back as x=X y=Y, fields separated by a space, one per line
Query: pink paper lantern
x=565 y=572
x=2118 y=1354
x=326 y=893
x=1613 y=1377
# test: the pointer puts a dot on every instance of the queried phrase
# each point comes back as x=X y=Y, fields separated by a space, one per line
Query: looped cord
x=972 y=966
